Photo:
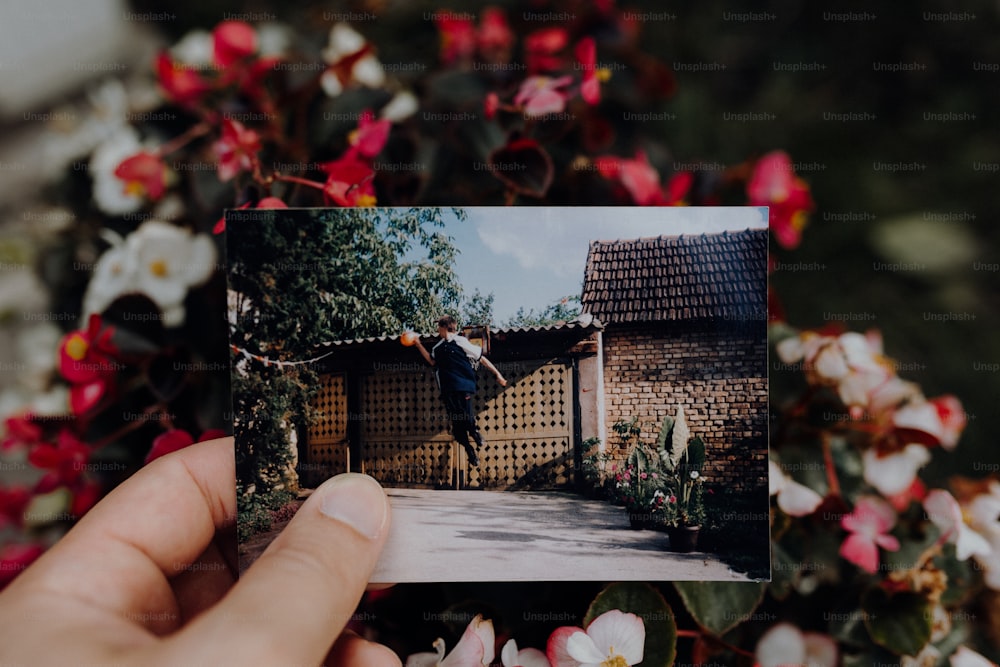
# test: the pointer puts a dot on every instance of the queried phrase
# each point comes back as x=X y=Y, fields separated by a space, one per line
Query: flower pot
x=683 y=539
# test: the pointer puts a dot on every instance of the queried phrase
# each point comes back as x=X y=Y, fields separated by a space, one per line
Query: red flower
x=490 y=105
x=65 y=461
x=542 y=47
x=232 y=41
x=177 y=439
x=87 y=361
x=458 y=36
x=266 y=202
x=13 y=502
x=237 y=149
x=22 y=431
x=14 y=558
x=145 y=175
x=181 y=83
x=494 y=37
x=349 y=181
x=774 y=184
x=371 y=135
x=678 y=188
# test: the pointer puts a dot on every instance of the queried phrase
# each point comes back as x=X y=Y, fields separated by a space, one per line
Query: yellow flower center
x=603 y=74
x=76 y=347
x=366 y=200
x=158 y=268
x=352 y=137
x=615 y=661
x=134 y=188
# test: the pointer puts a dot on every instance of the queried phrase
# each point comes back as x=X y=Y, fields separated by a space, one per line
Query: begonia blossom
x=869 y=525
x=613 y=638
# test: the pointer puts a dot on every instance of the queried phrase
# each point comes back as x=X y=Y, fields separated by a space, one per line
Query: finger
x=204 y=582
x=350 y=650
x=297 y=597
x=155 y=524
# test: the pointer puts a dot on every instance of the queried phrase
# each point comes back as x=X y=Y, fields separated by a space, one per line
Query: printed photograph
x=571 y=393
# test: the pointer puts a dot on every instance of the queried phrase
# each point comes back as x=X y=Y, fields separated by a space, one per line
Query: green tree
x=564 y=310
x=477 y=309
x=299 y=278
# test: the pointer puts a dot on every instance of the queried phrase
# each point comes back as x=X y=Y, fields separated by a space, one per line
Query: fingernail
x=358 y=501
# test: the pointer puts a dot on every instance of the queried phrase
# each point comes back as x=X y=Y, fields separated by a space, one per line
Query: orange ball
x=409 y=338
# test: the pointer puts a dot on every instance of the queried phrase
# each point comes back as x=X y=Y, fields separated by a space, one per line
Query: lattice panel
x=330 y=407
x=410 y=462
x=401 y=405
x=527 y=427
x=537 y=402
x=328 y=445
x=535 y=463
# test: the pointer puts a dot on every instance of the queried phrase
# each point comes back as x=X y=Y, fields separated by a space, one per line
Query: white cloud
x=557 y=238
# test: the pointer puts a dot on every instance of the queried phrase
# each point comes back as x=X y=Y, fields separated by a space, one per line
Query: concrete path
x=504 y=536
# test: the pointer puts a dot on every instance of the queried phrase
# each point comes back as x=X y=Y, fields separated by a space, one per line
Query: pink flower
x=528 y=657
x=773 y=184
x=637 y=177
x=491 y=104
x=590 y=87
x=945 y=513
x=13 y=501
x=542 y=95
x=87 y=361
x=177 y=439
x=65 y=462
x=180 y=83
x=869 y=525
x=784 y=645
x=236 y=150
x=371 y=135
x=266 y=202
x=475 y=648
x=613 y=638
x=232 y=41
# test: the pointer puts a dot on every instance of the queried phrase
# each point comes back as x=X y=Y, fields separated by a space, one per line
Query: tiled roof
x=678 y=278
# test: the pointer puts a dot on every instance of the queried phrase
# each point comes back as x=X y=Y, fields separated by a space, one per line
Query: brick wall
x=719 y=376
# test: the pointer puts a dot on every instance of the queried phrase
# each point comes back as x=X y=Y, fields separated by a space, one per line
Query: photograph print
x=545 y=393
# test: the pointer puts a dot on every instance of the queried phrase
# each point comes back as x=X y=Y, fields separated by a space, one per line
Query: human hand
x=144 y=578
x=502 y=380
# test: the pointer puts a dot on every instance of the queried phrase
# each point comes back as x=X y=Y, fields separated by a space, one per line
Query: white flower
x=894 y=473
x=945 y=513
x=528 y=657
x=159 y=260
x=784 y=644
x=474 y=648
x=367 y=70
x=613 y=638
x=794 y=499
x=966 y=657
x=403 y=105
x=195 y=48
x=694 y=474
x=109 y=190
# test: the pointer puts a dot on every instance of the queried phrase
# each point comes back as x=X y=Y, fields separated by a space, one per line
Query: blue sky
x=534 y=256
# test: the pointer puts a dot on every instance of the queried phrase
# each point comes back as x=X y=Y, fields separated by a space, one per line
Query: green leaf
x=696 y=454
x=900 y=622
x=645 y=602
x=719 y=606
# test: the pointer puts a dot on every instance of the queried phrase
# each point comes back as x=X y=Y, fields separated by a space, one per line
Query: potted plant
x=682 y=465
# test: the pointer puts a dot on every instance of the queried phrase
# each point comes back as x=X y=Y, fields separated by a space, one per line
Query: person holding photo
x=455 y=360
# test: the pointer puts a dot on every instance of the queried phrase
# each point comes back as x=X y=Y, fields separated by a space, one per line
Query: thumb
x=294 y=601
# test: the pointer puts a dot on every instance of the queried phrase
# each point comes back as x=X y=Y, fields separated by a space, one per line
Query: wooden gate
x=328 y=443
x=404 y=436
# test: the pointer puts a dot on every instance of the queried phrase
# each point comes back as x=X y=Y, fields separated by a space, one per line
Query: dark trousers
x=462 y=417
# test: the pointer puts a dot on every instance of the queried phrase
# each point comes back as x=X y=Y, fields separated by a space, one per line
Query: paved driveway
x=504 y=536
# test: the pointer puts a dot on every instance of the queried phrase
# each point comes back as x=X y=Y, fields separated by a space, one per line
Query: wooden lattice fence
x=403 y=432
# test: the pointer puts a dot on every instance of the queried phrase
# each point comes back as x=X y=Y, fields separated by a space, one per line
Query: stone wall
x=719 y=376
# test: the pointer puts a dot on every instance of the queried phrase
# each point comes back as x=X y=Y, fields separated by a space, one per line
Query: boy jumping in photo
x=454 y=359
